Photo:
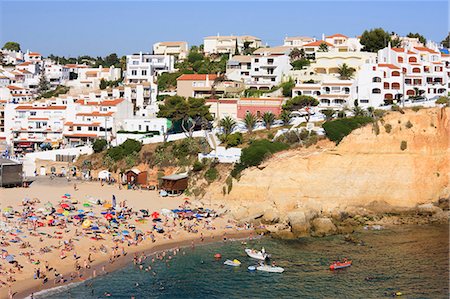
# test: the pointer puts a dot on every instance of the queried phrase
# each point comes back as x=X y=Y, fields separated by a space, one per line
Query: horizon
x=104 y=28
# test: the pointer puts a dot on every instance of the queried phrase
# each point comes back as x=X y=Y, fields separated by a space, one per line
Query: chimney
x=207 y=80
x=323 y=36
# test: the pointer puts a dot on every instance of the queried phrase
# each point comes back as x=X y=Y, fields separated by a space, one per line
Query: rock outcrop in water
x=394 y=167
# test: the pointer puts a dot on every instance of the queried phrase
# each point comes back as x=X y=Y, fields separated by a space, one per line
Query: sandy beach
x=68 y=251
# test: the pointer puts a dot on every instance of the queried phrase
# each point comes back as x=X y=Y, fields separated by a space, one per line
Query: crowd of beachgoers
x=60 y=241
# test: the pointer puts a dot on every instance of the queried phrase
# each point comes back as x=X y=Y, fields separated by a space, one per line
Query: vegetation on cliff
x=337 y=129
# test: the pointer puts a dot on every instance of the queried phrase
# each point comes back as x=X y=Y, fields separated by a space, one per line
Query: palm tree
x=268 y=118
x=345 y=72
x=227 y=124
x=358 y=111
x=250 y=121
x=285 y=117
x=323 y=47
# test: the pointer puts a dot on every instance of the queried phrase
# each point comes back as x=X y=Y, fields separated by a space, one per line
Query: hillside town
x=56 y=103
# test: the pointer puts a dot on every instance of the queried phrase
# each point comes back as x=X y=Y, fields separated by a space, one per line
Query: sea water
x=412 y=260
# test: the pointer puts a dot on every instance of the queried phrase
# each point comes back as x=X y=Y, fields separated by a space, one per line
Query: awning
x=25 y=144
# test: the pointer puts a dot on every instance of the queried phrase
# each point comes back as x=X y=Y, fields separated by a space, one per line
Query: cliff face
x=365 y=167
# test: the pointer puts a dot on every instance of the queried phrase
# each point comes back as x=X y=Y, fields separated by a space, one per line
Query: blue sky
x=102 y=27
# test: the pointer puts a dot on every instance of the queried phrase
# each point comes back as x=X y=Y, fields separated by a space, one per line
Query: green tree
x=11 y=46
x=300 y=63
x=443 y=100
x=300 y=102
x=329 y=113
x=111 y=60
x=268 y=118
x=323 y=47
x=190 y=112
x=358 y=111
x=345 y=72
x=285 y=117
x=227 y=123
x=103 y=84
x=287 y=88
x=194 y=56
x=250 y=121
x=375 y=39
x=396 y=42
x=44 y=84
x=421 y=38
x=446 y=41
x=295 y=54
x=99 y=145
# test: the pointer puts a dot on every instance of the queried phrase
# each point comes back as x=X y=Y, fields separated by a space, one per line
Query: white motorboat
x=259 y=255
x=267 y=268
x=234 y=263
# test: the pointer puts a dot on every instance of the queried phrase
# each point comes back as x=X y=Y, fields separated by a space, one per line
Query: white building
x=12 y=57
x=178 y=49
x=89 y=78
x=403 y=73
x=56 y=74
x=343 y=43
x=238 y=68
x=298 y=41
x=144 y=67
x=229 y=44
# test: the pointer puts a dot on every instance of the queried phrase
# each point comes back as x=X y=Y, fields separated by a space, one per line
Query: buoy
x=251 y=268
x=217 y=255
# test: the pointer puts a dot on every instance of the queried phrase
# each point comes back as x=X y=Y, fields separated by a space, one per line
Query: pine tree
x=44 y=84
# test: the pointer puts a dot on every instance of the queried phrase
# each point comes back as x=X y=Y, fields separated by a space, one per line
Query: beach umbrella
x=8 y=209
x=9 y=258
x=64 y=206
x=86 y=204
x=67 y=194
x=108 y=216
x=86 y=223
x=66 y=213
x=113 y=200
x=107 y=206
x=155 y=215
x=145 y=212
x=49 y=218
x=80 y=211
x=125 y=232
x=95 y=228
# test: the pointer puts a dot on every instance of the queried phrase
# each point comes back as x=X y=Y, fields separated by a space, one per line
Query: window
x=256 y=69
x=400 y=59
x=272 y=79
x=144 y=72
x=376 y=90
x=33 y=113
x=256 y=60
x=416 y=70
x=376 y=79
x=78 y=128
x=412 y=59
x=395 y=85
x=395 y=74
x=134 y=72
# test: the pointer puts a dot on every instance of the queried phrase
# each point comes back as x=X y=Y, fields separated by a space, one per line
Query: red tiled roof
x=80 y=135
x=25 y=63
x=400 y=50
x=38 y=118
x=425 y=49
x=317 y=44
x=95 y=113
x=391 y=66
x=102 y=103
x=34 y=54
x=29 y=107
x=337 y=35
x=261 y=99
x=82 y=125
x=12 y=87
x=194 y=77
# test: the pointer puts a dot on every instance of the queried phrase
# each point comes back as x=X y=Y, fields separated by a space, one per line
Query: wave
x=55 y=290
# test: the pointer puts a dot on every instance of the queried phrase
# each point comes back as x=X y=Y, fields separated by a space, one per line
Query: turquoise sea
x=413 y=260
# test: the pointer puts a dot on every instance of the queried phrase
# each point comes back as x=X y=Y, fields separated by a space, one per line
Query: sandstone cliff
x=365 y=169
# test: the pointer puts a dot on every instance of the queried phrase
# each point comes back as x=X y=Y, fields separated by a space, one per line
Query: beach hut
x=10 y=173
x=136 y=177
x=174 y=184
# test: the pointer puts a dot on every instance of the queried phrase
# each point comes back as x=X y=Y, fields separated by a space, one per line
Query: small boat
x=268 y=268
x=340 y=265
x=234 y=263
x=259 y=255
x=251 y=268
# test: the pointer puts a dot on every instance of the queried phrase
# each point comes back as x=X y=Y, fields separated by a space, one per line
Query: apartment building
x=56 y=74
x=11 y=57
x=144 y=67
x=33 y=57
x=268 y=66
x=238 y=68
x=402 y=73
x=333 y=94
x=177 y=49
x=202 y=86
x=89 y=78
x=343 y=43
x=229 y=44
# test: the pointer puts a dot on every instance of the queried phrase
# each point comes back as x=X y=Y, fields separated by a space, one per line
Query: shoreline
x=36 y=286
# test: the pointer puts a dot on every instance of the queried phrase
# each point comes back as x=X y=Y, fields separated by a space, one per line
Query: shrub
x=388 y=128
x=99 y=145
x=416 y=108
x=254 y=154
x=443 y=100
x=235 y=139
x=379 y=113
x=403 y=145
x=131 y=145
x=397 y=108
x=376 y=128
x=211 y=175
x=229 y=182
x=116 y=153
x=198 y=166
x=337 y=129
x=270 y=136
x=409 y=125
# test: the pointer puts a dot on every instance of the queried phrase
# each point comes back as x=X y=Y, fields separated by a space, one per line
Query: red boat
x=340 y=265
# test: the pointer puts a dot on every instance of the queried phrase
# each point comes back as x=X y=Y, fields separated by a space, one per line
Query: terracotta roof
x=12 y=87
x=292 y=38
x=261 y=99
x=194 y=77
x=337 y=35
x=425 y=49
x=399 y=50
x=29 y=107
x=104 y=103
x=25 y=63
x=273 y=50
x=169 y=44
x=95 y=113
x=391 y=66
x=317 y=44
x=221 y=101
x=38 y=118
x=241 y=58
x=34 y=54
